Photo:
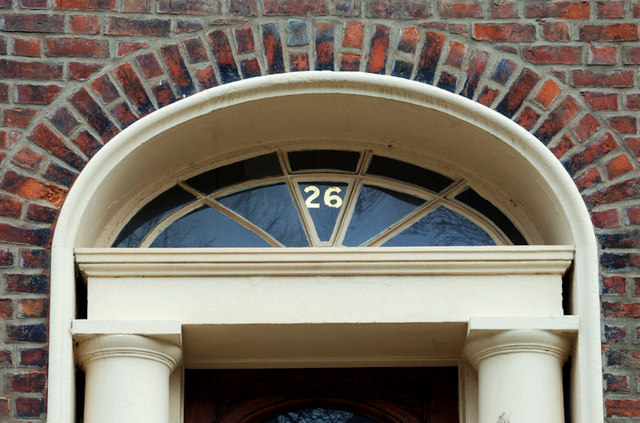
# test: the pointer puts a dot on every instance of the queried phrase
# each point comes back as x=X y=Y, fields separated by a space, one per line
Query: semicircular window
x=319 y=415
x=319 y=198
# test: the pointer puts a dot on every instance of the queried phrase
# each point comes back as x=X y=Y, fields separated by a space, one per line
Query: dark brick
x=26 y=382
x=512 y=32
x=19 y=117
x=6 y=360
x=615 y=79
x=87 y=143
x=47 y=139
x=94 y=115
x=79 y=71
x=250 y=68
x=28 y=159
x=36 y=94
x=519 y=91
x=123 y=114
x=527 y=117
x=10 y=206
x=378 y=50
x=244 y=7
x=631 y=310
x=33 y=357
x=64 y=120
x=590 y=154
x=297 y=32
x=553 y=54
x=28 y=284
x=347 y=7
x=30 y=70
x=632 y=55
x=324 y=46
x=620 y=262
x=624 y=240
x=77 y=47
x=206 y=77
x=134 y=89
x=350 y=62
x=398 y=9
x=149 y=65
x=353 y=34
x=163 y=93
x=37 y=22
x=294 y=7
x=588 y=179
x=177 y=70
x=244 y=39
x=224 y=56
x=298 y=62
x=29 y=407
x=105 y=88
x=429 y=57
x=190 y=7
x=612 y=32
x=6 y=260
x=477 y=66
x=586 y=127
x=36 y=333
x=558 y=9
x=503 y=71
x=409 y=40
x=60 y=175
x=191 y=25
x=614 y=193
x=4 y=93
x=632 y=102
x=86 y=5
x=144 y=27
x=40 y=214
x=128 y=47
x=613 y=285
x=195 y=50
x=33 y=4
x=447 y=81
x=557 y=119
x=272 y=48
x=616 y=383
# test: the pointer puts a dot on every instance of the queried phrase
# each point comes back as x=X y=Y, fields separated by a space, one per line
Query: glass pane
x=324 y=200
x=150 y=215
x=441 y=227
x=319 y=415
x=324 y=159
x=476 y=201
x=207 y=227
x=246 y=170
x=270 y=208
x=376 y=210
x=409 y=173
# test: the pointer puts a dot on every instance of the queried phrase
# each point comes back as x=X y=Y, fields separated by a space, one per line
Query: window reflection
x=319 y=415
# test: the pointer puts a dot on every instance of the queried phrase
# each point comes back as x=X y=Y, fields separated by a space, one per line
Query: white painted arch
x=404 y=119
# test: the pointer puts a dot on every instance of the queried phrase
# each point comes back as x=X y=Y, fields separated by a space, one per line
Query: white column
x=127 y=378
x=519 y=376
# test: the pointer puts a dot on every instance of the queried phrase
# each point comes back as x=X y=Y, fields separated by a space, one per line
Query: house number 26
x=331 y=197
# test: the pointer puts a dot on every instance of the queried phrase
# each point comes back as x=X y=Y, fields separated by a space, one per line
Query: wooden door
x=382 y=395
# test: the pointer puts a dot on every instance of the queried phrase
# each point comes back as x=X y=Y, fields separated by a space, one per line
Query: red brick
x=190 y=7
x=77 y=47
x=615 y=79
x=32 y=188
x=618 y=166
x=10 y=206
x=460 y=9
x=350 y=62
x=588 y=179
x=590 y=154
x=84 y=24
x=636 y=9
x=40 y=214
x=35 y=258
x=149 y=65
x=518 y=92
x=50 y=141
x=86 y=5
x=606 y=219
x=457 y=51
x=177 y=70
x=616 y=383
x=34 y=308
x=354 y=35
x=6 y=308
x=188 y=25
x=298 y=62
x=105 y=88
x=272 y=48
x=33 y=4
x=128 y=47
x=30 y=47
x=548 y=92
x=144 y=27
x=527 y=117
x=163 y=94
x=295 y=7
x=135 y=6
x=612 y=32
x=633 y=218
x=33 y=357
x=632 y=55
x=37 y=22
x=508 y=32
x=487 y=96
x=29 y=407
x=195 y=50
x=18 y=117
x=586 y=127
x=18 y=235
x=6 y=260
x=555 y=31
x=324 y=46
x=82 y=71
x=621 y=310
x=244 y=39
x=133 y=88
x=559 y=9
x=398 y=9
x=30 y=70
x=602 y=55
x=477 y=66
x=123 y=114
x=378 y=50
x=36 y=94
x=462 y=29
x=206 y=77
x=4 y=93
x=601 y=101
x=27 y=382
x=28 y=159
x=610 y=9
x=632 y=102
x=503 y=9
x=408 y=40
x=561 y=147
x=244 y=7
x=4 y=407
x=553 y=55
x=624 y=124
x=633 y=144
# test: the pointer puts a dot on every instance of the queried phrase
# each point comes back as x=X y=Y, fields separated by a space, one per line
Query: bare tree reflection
x=319 y=415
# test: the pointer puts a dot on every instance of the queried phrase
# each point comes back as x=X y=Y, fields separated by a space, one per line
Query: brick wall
x=74 y=73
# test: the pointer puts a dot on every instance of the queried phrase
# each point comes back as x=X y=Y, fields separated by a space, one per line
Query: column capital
x=99 y=347
x=516 y=341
